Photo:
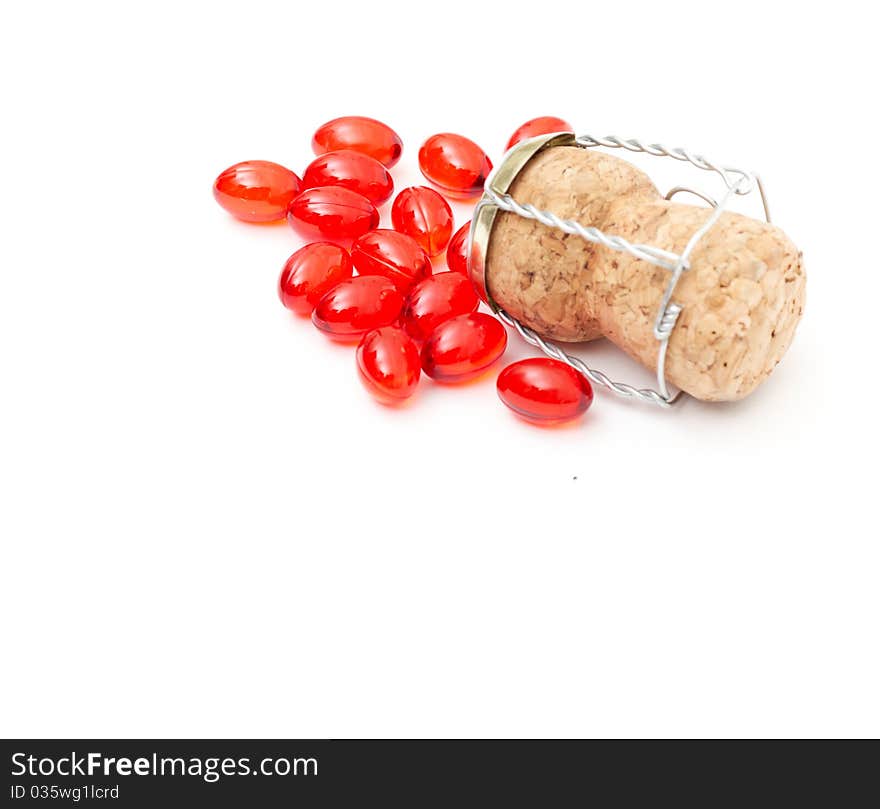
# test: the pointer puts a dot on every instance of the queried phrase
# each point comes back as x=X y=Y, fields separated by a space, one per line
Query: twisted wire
x=666 y=321
x=595 y=376
x=646 y=252
x=743 y=179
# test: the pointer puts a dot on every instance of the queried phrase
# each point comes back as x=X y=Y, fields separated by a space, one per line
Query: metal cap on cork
x=500 y=181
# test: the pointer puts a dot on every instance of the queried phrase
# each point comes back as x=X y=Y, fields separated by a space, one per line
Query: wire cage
x=496 y=197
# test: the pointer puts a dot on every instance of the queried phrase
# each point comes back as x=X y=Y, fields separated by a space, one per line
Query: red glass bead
x=545 y=125
x=456 y=253
x=389 y=364
x=257 y=190
x=332 y=212
x=365 y=135
x=463 y=347
x=423 y=214
x=310 y=273
x=393 y=255
x=358 y=305
x=544 y=390
x=358 y=172
x=436 y=299
x=456 y=165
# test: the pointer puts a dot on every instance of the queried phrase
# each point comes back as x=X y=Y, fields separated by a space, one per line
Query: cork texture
x=741 y=299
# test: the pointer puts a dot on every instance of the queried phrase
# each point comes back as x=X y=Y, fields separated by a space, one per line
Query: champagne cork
x=741 y=299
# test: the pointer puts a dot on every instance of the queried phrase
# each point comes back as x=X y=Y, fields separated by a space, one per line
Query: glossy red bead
x=365 y=135
x=389 y=364
x=436 y=299
x=257 y=190
x=462 y=347
x=456 y=253
x=423 y=214
x=545 y=125
x=310 y=273
x=544 y=390
x=333 y=213
x=356 y=306
x=353 y=170
x=455 y=164
x=393 y=255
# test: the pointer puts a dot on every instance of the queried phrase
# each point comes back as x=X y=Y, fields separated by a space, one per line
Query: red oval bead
x=436 y=299
x=389 y=364
x=393 y=255
x=310 y=273
x=257 y=190
x=365 y=135
x=463 y=347
x=332 y=212
x=358 y=172
x=456 y=253
x=544 y=390
x=544 y=125
x=423 y=214
x=358 y=305
x=456 y=165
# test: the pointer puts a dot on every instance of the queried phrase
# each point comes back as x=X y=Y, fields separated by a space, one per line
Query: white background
x=210 y=529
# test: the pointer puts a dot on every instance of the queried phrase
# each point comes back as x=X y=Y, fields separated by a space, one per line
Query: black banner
x=317 y=773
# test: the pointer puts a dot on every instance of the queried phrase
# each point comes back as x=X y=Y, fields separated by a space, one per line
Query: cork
x=742 y=298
